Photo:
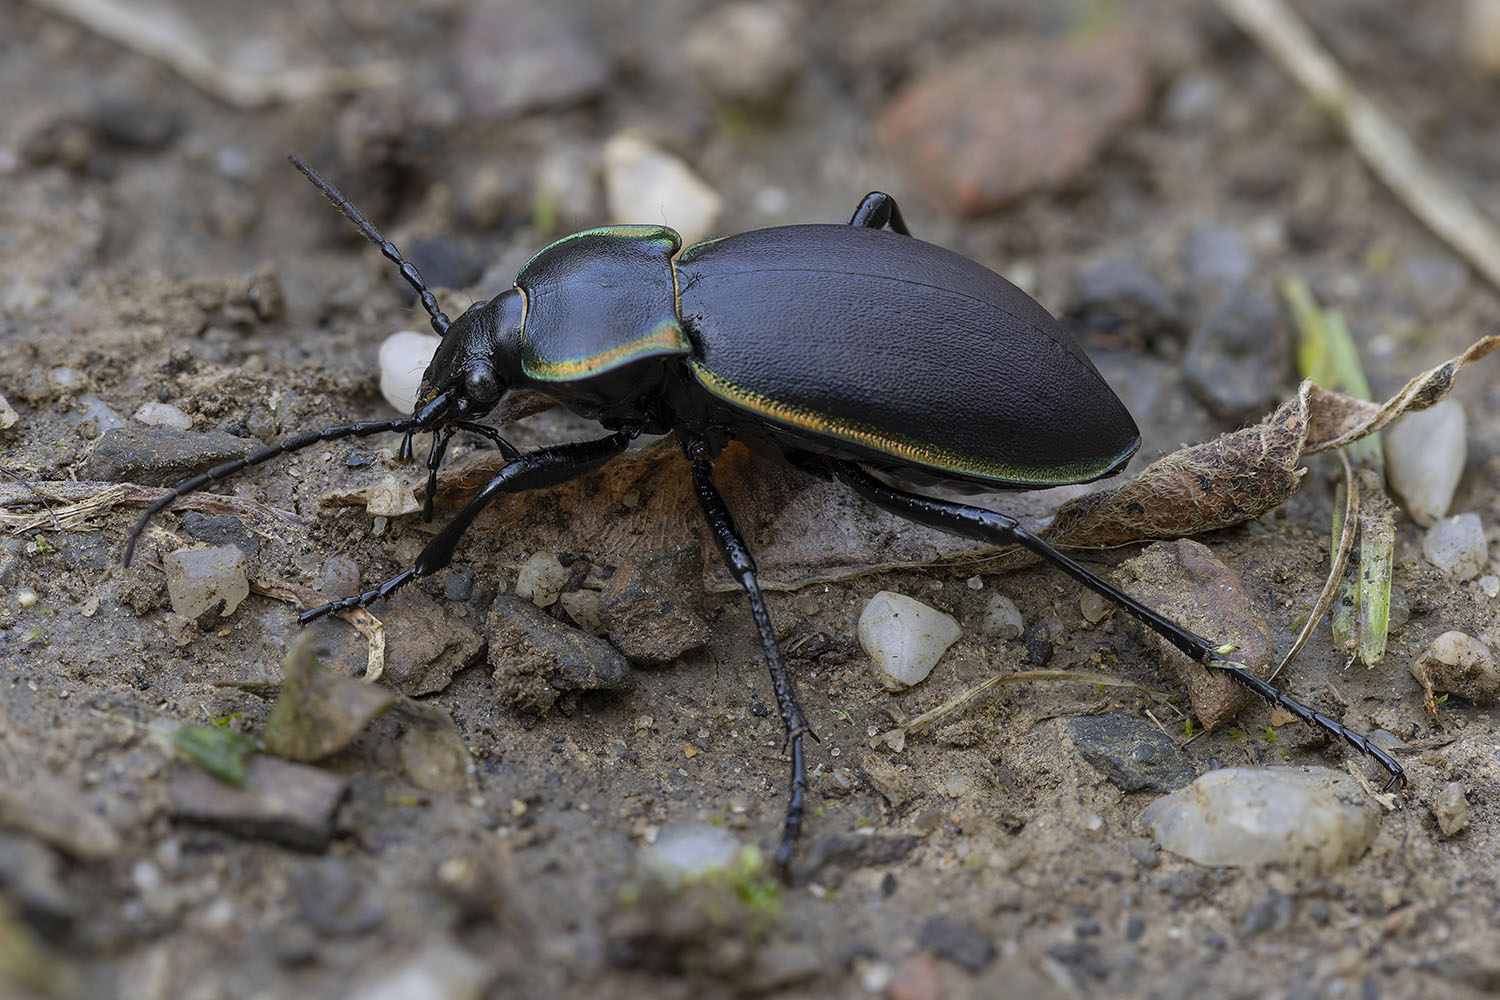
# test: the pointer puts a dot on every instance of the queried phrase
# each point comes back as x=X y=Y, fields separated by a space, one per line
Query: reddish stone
x=1014 y=117
x=917 y=978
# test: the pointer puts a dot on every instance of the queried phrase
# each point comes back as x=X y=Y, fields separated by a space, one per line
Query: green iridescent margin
x=666 y=338
x=901 y=446
x=651 y=233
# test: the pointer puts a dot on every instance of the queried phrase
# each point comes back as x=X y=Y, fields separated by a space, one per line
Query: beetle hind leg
x=878 y=210
x=989 y=526
x=742 y=564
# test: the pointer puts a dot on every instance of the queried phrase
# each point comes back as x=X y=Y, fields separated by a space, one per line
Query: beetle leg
x=878 y=210
x=742 y=564
x=989 y=526
x=532 y=471
x=435 y=459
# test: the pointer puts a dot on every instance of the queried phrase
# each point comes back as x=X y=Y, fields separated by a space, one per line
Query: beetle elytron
x=844 y=350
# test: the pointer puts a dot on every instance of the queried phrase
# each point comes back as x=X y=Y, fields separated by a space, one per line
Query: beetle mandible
x=846 y=350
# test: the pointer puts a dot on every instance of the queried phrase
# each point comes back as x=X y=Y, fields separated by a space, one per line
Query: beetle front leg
x=742 y=564
x=531 y=471
x=989 y=526
x=878 y=210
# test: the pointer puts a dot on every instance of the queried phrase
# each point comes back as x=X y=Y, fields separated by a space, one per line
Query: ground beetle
x=844 y=350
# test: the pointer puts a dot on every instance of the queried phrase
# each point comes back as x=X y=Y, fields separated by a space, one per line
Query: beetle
x=853 y=351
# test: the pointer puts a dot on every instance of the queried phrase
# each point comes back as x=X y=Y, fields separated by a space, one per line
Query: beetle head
x=477 y=362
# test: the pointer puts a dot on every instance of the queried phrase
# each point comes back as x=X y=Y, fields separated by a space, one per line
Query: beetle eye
x=481 y=386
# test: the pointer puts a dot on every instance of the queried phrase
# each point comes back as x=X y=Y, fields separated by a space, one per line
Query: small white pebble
x=156 y=414
x=646 y=184
x=1456 y=545
x=1424 y=458
x=1002 y=619
x=65 y=379
x=1311 y=819
x=689 y=850
x=1094 y=607
x=905 y=638
x=200 y=578
x=26 y=597
x=404 y=356
x=1490 y=584
x=975 y=583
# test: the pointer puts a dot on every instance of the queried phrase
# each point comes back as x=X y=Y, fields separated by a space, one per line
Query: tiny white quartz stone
x=1456 y=545
x=404 y=357
x=647 y=185
x=1310 y=819
x=1424 y=458
x=905 y=638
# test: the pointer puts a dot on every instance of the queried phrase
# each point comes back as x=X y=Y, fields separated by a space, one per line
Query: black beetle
x=840 y=349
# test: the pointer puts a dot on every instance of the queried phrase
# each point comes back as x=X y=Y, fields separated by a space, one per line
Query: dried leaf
x=1241 y=475
x=319 y=712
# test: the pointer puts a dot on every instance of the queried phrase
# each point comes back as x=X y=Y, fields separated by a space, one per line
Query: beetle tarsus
x=989 y=526
x=878 y=210
x=1332 y=727
x=365 y=599
x=742 y=565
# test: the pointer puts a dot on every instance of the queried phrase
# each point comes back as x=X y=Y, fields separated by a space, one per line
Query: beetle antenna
x=264 y=455
x=367 y=229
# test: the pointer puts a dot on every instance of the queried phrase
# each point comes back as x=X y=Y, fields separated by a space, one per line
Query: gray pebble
x=536 y=657
x=1270 y=914
x=1192 y=98
x=333 y=897
x=291 y=804
x=1217 y=259
x=1237 y=358
x=515 y=59
x=217 y=530
x=30 y=877
x=158 y=456
x=1125 y=289
x=1436 y=281
x=648 y=620
x=746 y=53
x=131 y=122
x=458 y=585
x=1131 y=753
x=959 y=944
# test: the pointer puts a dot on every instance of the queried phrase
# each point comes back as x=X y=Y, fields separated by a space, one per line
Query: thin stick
x=947 y=708
x=1383 y=144
x=170 y=41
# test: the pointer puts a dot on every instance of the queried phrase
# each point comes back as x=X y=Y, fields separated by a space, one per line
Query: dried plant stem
x=162 y=36
x=1382 y=143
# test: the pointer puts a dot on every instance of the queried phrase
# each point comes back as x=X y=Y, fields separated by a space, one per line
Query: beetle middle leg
x=532 y=471
x=878 y=210
x=990 y=526
x=742 y=564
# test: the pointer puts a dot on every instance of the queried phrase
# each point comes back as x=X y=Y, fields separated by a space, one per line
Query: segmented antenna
x=367 y=229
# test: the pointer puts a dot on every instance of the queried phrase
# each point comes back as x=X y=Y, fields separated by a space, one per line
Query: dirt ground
x=155 y=247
